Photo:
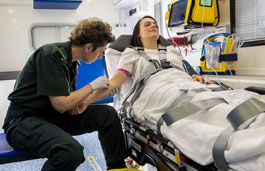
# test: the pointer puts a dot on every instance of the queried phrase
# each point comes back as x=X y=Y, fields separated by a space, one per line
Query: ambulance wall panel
x=18 y=16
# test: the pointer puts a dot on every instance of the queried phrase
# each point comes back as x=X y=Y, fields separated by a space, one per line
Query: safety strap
x=137 y=88
x=163 y=64
x=184 y=98
x=182 y=107
x=148 y=58
x=240 y=118
x=189 y=109
x=247 y=110
x=140 y=85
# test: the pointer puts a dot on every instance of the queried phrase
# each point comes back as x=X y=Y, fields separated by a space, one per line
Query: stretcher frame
x=147 y=146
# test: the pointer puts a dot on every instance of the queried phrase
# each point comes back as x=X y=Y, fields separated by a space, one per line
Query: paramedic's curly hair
x=92 y=30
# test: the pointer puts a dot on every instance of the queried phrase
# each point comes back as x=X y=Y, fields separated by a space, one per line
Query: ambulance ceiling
x=56 y=4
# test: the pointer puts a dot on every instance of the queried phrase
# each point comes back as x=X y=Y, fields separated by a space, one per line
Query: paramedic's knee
x=76 y=153
x=70 y=155
x=110 y=116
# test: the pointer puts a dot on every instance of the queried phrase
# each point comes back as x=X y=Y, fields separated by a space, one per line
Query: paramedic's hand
x=99 y=83
x=79 y=109
x=197 y=77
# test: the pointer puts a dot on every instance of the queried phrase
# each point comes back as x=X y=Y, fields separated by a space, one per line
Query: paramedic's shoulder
x=51 y=52
x=128 y=58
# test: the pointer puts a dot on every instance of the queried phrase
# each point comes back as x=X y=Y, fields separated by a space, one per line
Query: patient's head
x=145 y=30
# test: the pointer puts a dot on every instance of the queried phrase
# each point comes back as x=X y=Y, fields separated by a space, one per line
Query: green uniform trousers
x=51 y=137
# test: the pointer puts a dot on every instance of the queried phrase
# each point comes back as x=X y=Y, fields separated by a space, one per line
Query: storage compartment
x=56 y=4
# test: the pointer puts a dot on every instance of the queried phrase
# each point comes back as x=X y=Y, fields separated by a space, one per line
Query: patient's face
x=148 y=29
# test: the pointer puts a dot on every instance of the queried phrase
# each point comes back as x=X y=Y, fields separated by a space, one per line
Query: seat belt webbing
x=148 y=58
x=238 y=117
x=162 y=57
x=138 y=86
x=173 y=115
x=189 y=109
x=247 y=110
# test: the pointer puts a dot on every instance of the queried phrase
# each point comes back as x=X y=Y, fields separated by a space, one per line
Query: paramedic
x=46 y=110
x=146 y=35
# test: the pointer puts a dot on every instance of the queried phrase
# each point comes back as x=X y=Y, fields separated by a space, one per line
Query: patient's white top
x=136 y=64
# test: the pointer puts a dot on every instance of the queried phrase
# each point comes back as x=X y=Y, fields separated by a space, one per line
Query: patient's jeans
x=52 y=138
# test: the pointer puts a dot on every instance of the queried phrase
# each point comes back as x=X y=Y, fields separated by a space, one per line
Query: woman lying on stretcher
x=145 y=35
x=194 y=135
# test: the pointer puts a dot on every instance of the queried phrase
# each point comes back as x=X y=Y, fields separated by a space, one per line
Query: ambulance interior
x=236 y=28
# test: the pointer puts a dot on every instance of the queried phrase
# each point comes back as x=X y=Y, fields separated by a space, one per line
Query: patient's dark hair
x=136 y=41
x=92 y=30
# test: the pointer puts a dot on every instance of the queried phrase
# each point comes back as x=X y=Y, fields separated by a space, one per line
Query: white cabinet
x=129 y=12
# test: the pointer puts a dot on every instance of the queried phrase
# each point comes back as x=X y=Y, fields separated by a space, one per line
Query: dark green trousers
x=51 y=137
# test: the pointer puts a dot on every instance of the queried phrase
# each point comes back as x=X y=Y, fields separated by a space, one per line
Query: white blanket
x=196 y=134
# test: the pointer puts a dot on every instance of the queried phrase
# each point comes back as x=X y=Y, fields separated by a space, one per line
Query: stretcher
x=147 y=144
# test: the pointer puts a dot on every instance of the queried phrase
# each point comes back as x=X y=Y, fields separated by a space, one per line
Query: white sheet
x=195 y=135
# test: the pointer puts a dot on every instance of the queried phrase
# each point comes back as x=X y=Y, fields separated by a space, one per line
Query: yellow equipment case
x=196 y=13
x=226 y=58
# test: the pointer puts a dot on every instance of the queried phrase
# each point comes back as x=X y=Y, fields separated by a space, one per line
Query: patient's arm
x=115 y=82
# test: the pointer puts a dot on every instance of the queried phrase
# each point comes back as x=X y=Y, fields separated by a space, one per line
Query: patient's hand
x=197 y=77
x=201 y=79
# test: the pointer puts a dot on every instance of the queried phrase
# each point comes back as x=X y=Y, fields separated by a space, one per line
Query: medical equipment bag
x=219 y=55
x=193 y=12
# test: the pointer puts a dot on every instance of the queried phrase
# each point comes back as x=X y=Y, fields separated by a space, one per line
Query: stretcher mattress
x=196 y=134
